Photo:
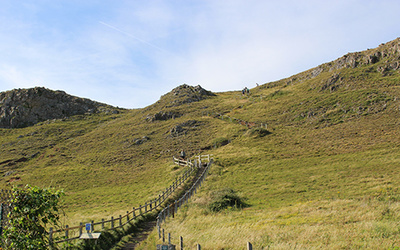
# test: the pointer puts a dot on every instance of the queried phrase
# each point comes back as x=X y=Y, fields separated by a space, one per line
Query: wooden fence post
x=80 y=228
x=171 y=207
x=181 y=242
x=249 y=246
x=51 y=236
x=127 y=216
x=158 y=228
x=112 y=222
x=163 y=235
x=102 y=224
x=163 y=215
x=92 y=226
x=120 y=220
x=66 y=231
x=198 y=247
x=169 y=238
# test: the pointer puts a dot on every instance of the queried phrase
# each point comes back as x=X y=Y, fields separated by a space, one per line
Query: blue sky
x=129 y=53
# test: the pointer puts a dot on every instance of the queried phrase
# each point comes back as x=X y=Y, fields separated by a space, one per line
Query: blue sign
x=88 y=227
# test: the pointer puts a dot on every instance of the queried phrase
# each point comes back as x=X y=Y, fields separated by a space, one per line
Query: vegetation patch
x=278 y=93
x=257 y=132
x=219 y=142
x=225 y=198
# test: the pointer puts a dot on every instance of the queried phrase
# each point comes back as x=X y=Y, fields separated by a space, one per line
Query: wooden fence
x=72 y=233
x=181 y=245
x=172 y=209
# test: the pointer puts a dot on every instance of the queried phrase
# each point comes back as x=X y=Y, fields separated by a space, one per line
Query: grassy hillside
x=326 y=176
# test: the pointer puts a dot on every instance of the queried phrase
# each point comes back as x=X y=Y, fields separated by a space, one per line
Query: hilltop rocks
x=26 y=107
x=383 y=59
x=186 y=94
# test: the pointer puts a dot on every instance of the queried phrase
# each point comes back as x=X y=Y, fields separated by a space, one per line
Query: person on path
x=183 y=154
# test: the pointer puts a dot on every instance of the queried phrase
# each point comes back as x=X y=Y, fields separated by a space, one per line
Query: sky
x=130 y=53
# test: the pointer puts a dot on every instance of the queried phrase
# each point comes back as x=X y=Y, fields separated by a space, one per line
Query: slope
x=323 y=173
x=328 y=174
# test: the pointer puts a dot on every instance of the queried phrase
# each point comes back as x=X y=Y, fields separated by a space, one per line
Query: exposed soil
x=140 y=236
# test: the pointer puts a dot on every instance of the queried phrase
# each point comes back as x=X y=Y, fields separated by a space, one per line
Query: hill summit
x=26 y=107
x=184 y=94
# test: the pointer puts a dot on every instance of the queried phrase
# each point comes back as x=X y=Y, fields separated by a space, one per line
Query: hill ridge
x=26 y=107
x=388 y=54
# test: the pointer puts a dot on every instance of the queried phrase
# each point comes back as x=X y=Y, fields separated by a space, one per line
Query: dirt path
x=140 y=236
x=147 y=227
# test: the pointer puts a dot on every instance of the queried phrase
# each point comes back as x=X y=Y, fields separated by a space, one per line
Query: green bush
x=219 y=142
x=33 y=210
x=258 y=132
x=225 y=198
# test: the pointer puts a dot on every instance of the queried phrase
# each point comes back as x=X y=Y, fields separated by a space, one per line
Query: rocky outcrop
x=163 y=116
x=26 y=107
x=332 y=83
x=185 y=94
x=184 y=128
x=382 y=59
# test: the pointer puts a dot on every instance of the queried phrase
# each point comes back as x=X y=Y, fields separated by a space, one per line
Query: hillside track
x=144 y=231
x=147 y=227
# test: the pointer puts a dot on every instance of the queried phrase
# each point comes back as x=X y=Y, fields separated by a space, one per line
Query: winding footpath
x=147 y=227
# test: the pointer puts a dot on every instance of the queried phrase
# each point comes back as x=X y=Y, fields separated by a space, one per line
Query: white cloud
x=153 y=46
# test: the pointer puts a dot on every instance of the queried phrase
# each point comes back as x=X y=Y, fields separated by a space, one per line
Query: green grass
x=326 y=175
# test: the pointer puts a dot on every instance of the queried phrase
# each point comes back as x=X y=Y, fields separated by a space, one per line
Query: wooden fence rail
x=172 y=209
x=181 y=245
x=72 y=233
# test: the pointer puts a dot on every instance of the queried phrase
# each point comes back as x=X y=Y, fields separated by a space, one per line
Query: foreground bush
x=32 y=210
x=225 y=198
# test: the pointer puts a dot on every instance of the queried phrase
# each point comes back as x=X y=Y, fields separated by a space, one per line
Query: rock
x=186 y=94
x=371 y=59
x=331 y=83
x=176 y=131
x=163 y=116
x=139 y=141
x=26 y=107
x=184 y=128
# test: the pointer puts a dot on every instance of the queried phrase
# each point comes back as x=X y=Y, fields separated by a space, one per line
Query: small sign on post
x=89 y=235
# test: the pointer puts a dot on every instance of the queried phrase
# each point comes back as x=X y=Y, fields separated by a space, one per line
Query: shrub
x=219 y=142
x=258 y=132
x=33 y=209
x=225 y=198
